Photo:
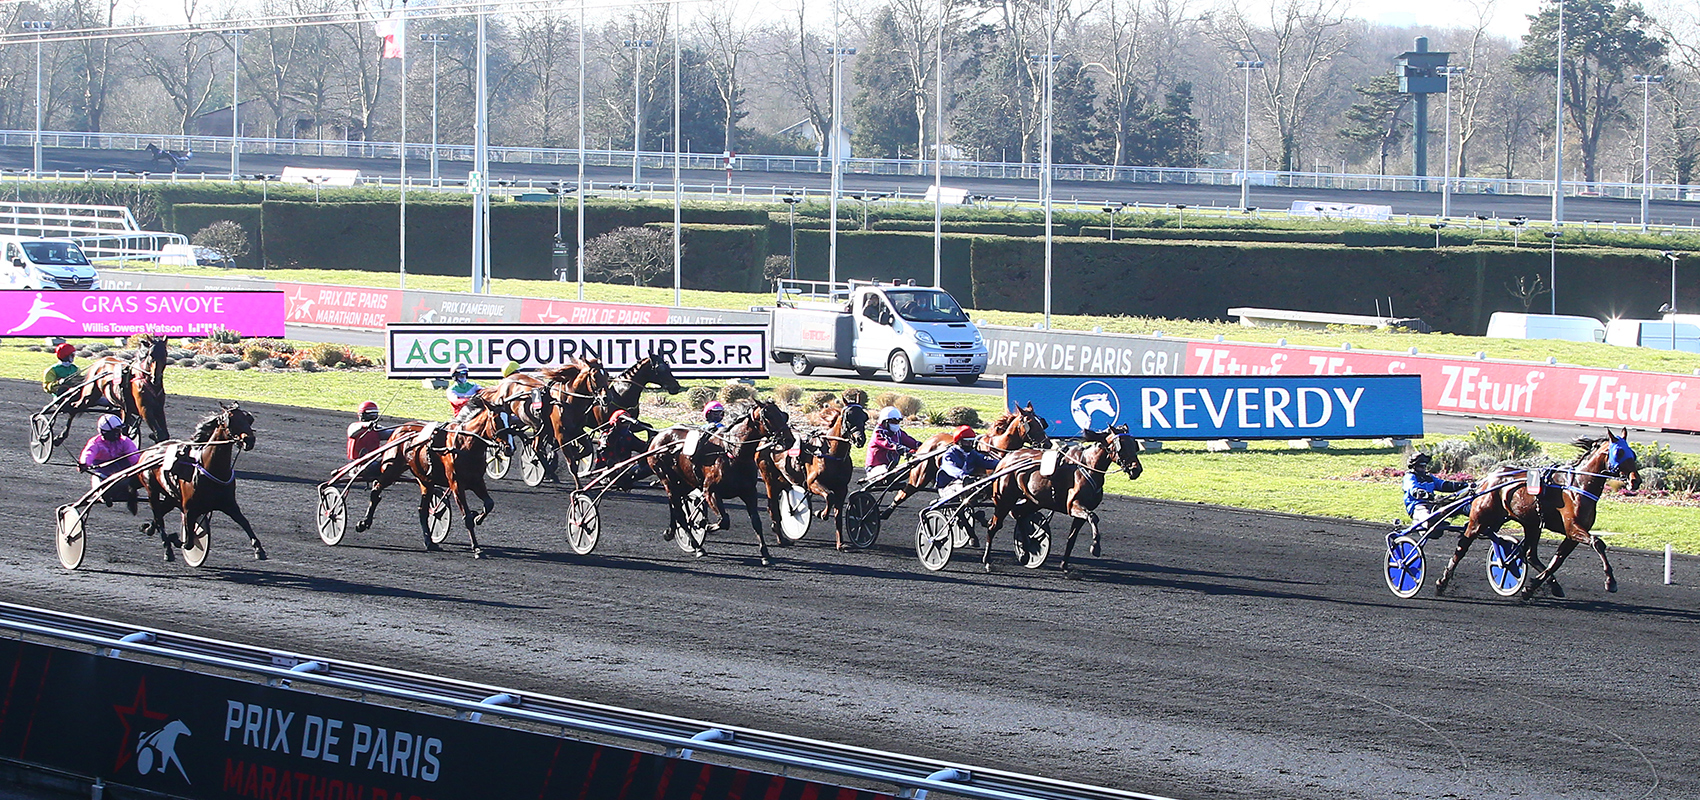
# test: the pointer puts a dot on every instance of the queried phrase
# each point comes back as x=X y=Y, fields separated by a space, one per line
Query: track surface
x=1209 y=654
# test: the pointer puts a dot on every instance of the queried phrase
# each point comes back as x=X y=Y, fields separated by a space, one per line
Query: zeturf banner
x=693 y=351
x=125 y=313
x=1191 y=407
x=1487 y=388
x=204 y=737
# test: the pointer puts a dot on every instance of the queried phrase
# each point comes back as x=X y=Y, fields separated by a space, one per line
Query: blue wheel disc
x=1404 y=568
x=1505 y=571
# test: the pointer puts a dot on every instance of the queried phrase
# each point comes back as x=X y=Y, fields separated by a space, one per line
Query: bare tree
x=807 y=76
x=546 y=43
x=636 y=253
x=1297 y=50
x=1118 y=47
x=95 y=57
x=729 y=39
x=1484 y=64
x=182 y=65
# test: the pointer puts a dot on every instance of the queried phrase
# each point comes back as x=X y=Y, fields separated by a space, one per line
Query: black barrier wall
x=198 y=736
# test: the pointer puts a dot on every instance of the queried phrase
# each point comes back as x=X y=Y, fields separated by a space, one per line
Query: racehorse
x=724 y=464
x=134 y=388
x=156 y=155
x=1566 y=505
x=1075 y=487
x=554 y=406
x=1011 y=431
x=202 y=480
x=821 y=465
x=442 y=455
x=627 y=389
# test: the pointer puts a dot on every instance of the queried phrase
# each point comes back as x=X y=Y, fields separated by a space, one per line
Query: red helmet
x=65 y=351
x=963 y=432
x=368 y=410
x=618 y=417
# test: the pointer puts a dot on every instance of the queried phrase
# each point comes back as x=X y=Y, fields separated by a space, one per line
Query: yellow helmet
x=511 y=368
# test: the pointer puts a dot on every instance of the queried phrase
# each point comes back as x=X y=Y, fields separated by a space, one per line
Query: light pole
x=938 y=150
x=838 y=54
x=1245 y=141
x=1558 y=127
x=637 y=46
x=1045 y=143
x=791 y=202
x=1111 y=209
x=560 y=191
x=1446 y=169
x=1671 y=309
x=433 y=39
x=1517 y=229
x=480 y=176
x=678 y=186
x=236 y=103
x=578 y=202
x=38 y=27
x=1647 y=82
x=1552 y=268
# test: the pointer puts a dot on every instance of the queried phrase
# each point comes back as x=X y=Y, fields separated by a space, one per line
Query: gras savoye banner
x=692 y=351
x=1250 y=407
x=127 y=313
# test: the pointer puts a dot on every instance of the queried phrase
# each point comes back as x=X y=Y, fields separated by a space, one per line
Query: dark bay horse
x=1075 y=487
x=1566 y=505
x=821 y=465
x=202 y=480
x=1014 y=430
x=553 y=404
x=723 y=466
x=446 y=455
x=133 y=388
x=627 y=388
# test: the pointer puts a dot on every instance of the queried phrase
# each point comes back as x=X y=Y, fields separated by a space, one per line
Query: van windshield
x=926 y=306
x=55 y=253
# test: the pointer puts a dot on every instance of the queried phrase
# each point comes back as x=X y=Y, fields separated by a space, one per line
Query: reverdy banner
x=1192 y=407
x=127 y=313
x=693 y=351
x=198 y=736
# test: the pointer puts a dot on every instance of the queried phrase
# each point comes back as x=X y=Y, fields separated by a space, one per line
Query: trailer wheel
x=800 y=364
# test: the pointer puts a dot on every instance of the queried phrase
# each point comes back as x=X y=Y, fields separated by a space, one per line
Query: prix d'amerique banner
x=127 y=313
x=204 y=737
x=1253 y=407
x=692 y=351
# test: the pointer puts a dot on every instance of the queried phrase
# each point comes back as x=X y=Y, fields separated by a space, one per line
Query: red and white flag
x=393 y=30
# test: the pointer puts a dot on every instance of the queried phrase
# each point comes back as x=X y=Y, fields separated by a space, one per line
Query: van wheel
x=899 y=368
x=866 y=372
x=967 y=380
x=800 y=365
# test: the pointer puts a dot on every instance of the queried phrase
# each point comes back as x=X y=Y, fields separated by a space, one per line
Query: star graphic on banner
x=548 y=316
x=300 y=307
x=421 y=312
x=137 y=710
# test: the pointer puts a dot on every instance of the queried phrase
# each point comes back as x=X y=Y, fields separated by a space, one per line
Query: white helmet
x=890 y=414
x=110 y=423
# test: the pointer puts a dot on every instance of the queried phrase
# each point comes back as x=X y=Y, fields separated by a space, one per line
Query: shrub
x=278 y=362
x=1450 y=455
x=854 y=396
x=142 y=341
x=636 y=253
x=329 y=354
x=1656 y=455
x=962 y=415
x=255 y=355
x=775 y=267
x=935 y=418
x=228 y=358
x=658 y=399
x=211 y=365
x=1683 y=478
x=309 y=365
x=821 y=400
x=284 y=347
x=224 y=336
x=787 y=394
x=226 y=237
x=1653 y=479
x=907 y=405
x=698 y=396
x=1481 y=463
x=1505 y=442
x=884 y=399
x=737 y=392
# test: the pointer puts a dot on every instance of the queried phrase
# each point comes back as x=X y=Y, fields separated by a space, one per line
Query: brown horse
x=554 y=405
x=1075 y=487
x=627 y=389
x=1566 y=504
x=442 y=455
x=821 y=465
x=132 y=388
x=723 y=466
x=1014 y=430
x=202 y=480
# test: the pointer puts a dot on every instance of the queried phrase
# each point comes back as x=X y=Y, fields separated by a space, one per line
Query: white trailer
x=906 y=330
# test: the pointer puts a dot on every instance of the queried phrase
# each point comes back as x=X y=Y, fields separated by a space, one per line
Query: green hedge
x=189 y=218
x=982 y=228
x=1212 y=235
x=725 y=258
x=886 y=256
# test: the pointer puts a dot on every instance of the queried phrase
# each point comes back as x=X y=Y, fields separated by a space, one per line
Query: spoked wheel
x=333 y=515
x=1404 y=567
x=962 y=529
x=547 y=456
x=690 y=539
x=584 y=524
x=933 y=539
x=70 y=536
x=1505 y=566
x=794 y=513
x=862 y=519
x=1033 y=539
x=440 y=515
x=530 y=465
x=497 y=462
x=200 y=539
x=41 y=438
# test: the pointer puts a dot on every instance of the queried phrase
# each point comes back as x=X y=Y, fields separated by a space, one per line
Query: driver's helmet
x=368 y=411
x=1418 y=460
x=110 y=423
x=65 y=351
x=461 y=371
x=511 y=368
x=890 y=415
x=962 y=434
x=619 y=417
x=713 y=411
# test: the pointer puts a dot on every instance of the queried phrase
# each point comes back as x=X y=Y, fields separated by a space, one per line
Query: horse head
x=854 y=422
x=1125 y=450
x=660 y=373
x=771 y=422
x=1619 y=458
x=1031 y=426
x=147 y=394
x=239 y=425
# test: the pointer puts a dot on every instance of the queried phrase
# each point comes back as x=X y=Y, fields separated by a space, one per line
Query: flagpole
x=401 y=43
x=579 y=261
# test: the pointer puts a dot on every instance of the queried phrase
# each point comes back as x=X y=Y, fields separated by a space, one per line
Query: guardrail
x=677 y=738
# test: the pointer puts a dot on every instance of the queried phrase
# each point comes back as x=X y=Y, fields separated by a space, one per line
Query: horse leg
x=236 y=514
x=1545 y=575
x=373 y=496
x=1465 y=539
x=1092 y=517
x=424 y=514
x=1599 y=546
x=1068 y=547
x=751 y=505
x=472 y=518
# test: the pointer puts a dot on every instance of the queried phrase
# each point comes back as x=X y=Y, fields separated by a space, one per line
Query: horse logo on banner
x=1095 y=406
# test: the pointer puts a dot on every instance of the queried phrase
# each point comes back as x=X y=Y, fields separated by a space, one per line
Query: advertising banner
x=126 y=313
x=1262 y=407
x=1026 y=351
x=693 y=351
x=1484 y=388
x=341 y=306
x=203 y=737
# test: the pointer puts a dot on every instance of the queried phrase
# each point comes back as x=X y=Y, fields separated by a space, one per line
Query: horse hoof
x=477 y=552
x=842 y=547
x=1555 y=590
x=168 y=558
x=362 y=527
x=988 y=568
x=668 y=536
x=259 y=554
x=431 y=547
x=1611 y=585
x=1097 y=551
x=766 y=562
x=1439 y=589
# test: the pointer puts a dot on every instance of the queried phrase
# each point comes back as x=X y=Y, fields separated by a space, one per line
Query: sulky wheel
x=440 y=509
x=794 y=513
x=933 y=537
x=70 y=536
x=1404 y=568
x=962 y=528
x=1505 y=566
x=530 y=464
x=584 y=524
x=1033 y=539
x=200 y=539
x=497 y=462
x=690 y=538
x=862 y=519
x=41 y=438
x=333 y=515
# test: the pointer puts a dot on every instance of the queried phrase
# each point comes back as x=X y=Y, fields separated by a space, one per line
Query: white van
x=907 y=330
x=45 y=264
x=1509 y=325
x=1656 y=334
